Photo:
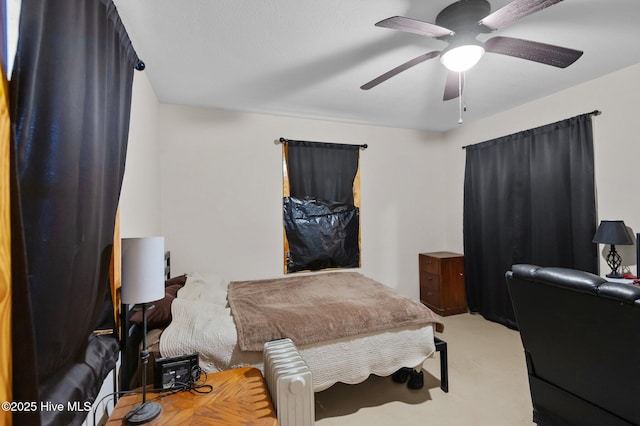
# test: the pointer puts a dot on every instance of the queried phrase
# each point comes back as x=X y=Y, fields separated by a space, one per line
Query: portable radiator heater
x=289 y=382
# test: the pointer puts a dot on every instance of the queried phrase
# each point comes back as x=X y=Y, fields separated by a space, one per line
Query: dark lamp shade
x=612 y=232
x=142 y=270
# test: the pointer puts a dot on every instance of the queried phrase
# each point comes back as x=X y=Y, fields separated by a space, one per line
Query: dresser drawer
x=429 y=264
x=430 y=288
x=430 y=282
x=432 y=300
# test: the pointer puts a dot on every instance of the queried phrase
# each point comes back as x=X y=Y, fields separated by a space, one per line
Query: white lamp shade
x=142 y=270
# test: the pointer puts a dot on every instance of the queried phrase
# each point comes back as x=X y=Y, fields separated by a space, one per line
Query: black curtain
x=321 y=222
x=528 y=198
x=324 y=171
x=70 y=106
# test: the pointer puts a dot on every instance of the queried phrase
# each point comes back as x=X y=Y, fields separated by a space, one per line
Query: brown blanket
x=320 y=307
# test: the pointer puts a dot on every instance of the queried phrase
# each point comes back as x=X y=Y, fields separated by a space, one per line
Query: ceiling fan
x=460 y=23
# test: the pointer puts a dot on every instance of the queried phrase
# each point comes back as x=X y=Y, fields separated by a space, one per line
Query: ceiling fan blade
x=409 y=25
x=397 y=70
x=548 y=54
x=453 y=86
x=513 y=11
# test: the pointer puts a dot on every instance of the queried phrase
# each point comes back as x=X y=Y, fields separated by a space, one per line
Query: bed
x=205 y=318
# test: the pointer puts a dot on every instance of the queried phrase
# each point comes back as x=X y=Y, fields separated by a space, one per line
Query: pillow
x=160 y=315
x=211 y=288
x=181 y=279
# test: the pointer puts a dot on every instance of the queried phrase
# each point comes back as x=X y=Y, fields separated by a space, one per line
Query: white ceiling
x=307 y=58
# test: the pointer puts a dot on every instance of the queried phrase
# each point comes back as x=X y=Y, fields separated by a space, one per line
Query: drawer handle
x=429 y=294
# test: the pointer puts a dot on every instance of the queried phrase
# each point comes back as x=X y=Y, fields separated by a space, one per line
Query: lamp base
x=614 y=261
x=143 y=413
x=615 y=275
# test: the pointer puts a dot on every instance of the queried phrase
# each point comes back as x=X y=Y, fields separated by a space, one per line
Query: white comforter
x=202 y=323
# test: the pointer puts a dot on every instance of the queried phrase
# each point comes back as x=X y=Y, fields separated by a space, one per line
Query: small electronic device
x=176 y=372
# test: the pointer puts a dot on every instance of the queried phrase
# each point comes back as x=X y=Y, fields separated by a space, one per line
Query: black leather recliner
x=581 y=337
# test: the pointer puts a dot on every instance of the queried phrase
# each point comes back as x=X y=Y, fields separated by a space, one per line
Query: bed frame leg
x=441 y=346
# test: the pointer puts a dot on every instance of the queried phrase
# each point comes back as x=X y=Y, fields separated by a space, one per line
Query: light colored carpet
x=487 y=385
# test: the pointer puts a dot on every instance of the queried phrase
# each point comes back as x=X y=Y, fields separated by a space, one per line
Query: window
x=321 y=206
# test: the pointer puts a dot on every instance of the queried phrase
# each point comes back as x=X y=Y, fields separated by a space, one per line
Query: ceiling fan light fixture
x=462 y=58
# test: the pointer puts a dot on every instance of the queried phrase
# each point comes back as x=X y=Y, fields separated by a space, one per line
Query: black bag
x=321 y=234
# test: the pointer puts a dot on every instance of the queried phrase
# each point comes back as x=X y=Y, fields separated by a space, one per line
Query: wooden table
x=239 y=397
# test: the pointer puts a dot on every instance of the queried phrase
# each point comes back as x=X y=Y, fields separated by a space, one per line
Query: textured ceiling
x=307 y=58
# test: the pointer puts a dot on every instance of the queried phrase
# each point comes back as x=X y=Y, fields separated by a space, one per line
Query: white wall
x=140 y=214
x=222 y=193
x=616 y=145
x=220 y=177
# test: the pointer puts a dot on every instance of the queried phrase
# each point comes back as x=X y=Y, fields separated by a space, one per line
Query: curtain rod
x=594 y=112
x=283 y=140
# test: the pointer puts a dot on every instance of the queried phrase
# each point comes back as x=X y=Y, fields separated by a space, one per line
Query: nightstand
x=442 y=286
x=239 y=396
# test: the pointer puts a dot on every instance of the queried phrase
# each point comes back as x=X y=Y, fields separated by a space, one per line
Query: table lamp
x=143 y=282
x=613 y=232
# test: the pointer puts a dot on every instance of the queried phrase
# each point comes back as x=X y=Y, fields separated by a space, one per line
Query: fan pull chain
x=464 y=96
x=460 y=97
x=462 y=105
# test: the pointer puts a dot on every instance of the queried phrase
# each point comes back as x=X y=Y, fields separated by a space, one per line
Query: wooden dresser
x=442 y=282
x=238 y=397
